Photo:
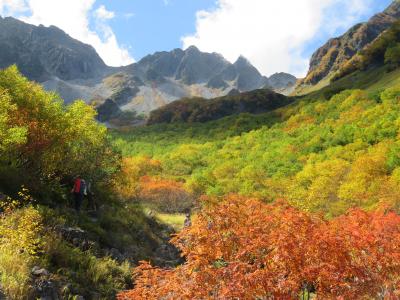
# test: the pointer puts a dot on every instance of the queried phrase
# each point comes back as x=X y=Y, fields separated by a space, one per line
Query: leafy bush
x=44 y=142
x=11 y=135
x=392 y=56
x=245 y=249
x=126 y=182
x=166 y=196
x=21 y=245
x=27 y=239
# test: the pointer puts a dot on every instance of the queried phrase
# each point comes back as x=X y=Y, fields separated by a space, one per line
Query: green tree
x=10 y=135
x=52 y=142
x=392 y=55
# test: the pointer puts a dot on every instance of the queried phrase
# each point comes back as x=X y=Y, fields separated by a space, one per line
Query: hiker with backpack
x=78 y=190
x=90 y=196
x=188 y=220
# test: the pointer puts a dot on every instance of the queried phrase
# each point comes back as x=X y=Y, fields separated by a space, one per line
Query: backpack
x=77 y=186
x=82 y=189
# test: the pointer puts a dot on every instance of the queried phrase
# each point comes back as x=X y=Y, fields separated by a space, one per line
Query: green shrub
x=15 y=271
x=21 y=245
x=392 y=56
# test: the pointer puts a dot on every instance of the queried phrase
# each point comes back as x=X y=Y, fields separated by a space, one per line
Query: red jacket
x=77 y=186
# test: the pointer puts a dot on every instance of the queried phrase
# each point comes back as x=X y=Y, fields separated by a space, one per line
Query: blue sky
x=154 y=25
x=158 y=25
x=275 y=35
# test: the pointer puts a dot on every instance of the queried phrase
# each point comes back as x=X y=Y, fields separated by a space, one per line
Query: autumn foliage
x=165 y=195
x=245 y=249
x=134 y=181
x=43 y=143
x=127 y=181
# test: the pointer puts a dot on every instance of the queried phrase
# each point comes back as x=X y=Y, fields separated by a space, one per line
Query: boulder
x=37 y=271
x=46 y=290
x=74 y=235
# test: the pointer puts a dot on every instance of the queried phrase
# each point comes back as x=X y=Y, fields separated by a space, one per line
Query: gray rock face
x=198 y=67
x=192 y=67
x=217 y=82
x=73 y=69
x=43 y=52
x=168 y=76
x=281 y=80
x=337 y=51
x=248 y=76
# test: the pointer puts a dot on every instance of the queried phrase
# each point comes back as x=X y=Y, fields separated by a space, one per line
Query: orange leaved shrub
x=245 y=249
x=165 y=195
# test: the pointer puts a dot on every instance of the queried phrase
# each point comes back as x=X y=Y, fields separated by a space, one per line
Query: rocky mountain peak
x=198 y=67
x=337 y=51
x=242 y=62
x=192 y=49
x=249 y=78
x=42 y=53
x=74 y=69
x=282 y=80
x=393 y=9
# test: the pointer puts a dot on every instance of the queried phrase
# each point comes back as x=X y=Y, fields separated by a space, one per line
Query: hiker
x=79 y=190
x=90 y=196
x=188 y=221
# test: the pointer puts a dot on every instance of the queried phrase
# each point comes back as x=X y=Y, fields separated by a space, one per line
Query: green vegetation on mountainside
x=373 y=80
x=373 y=68
x=43 y=145
x=384 y=50
x=156 y=139
x=320 y=155
x=202 y=110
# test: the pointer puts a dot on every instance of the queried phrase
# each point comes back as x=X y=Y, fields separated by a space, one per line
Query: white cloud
x=270 y=33
x=103 y=14
x=11 y=7
x=73 y=16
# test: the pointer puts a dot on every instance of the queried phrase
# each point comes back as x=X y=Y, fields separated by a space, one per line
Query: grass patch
x=20 y=249
x=371 y=80
x=86 y=272
x=15 y=271
x=386 y=81
x=307 y=89
x=174 y=220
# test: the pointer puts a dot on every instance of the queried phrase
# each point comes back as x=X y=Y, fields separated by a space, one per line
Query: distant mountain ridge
x=337 y=51
x=44 y=52
x=50 y=56
x=164 y=77
x=201 y=110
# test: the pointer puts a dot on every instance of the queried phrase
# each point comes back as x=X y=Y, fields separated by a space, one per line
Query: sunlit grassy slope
x=174 y=220
x=371 y=80
x=320 y=155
